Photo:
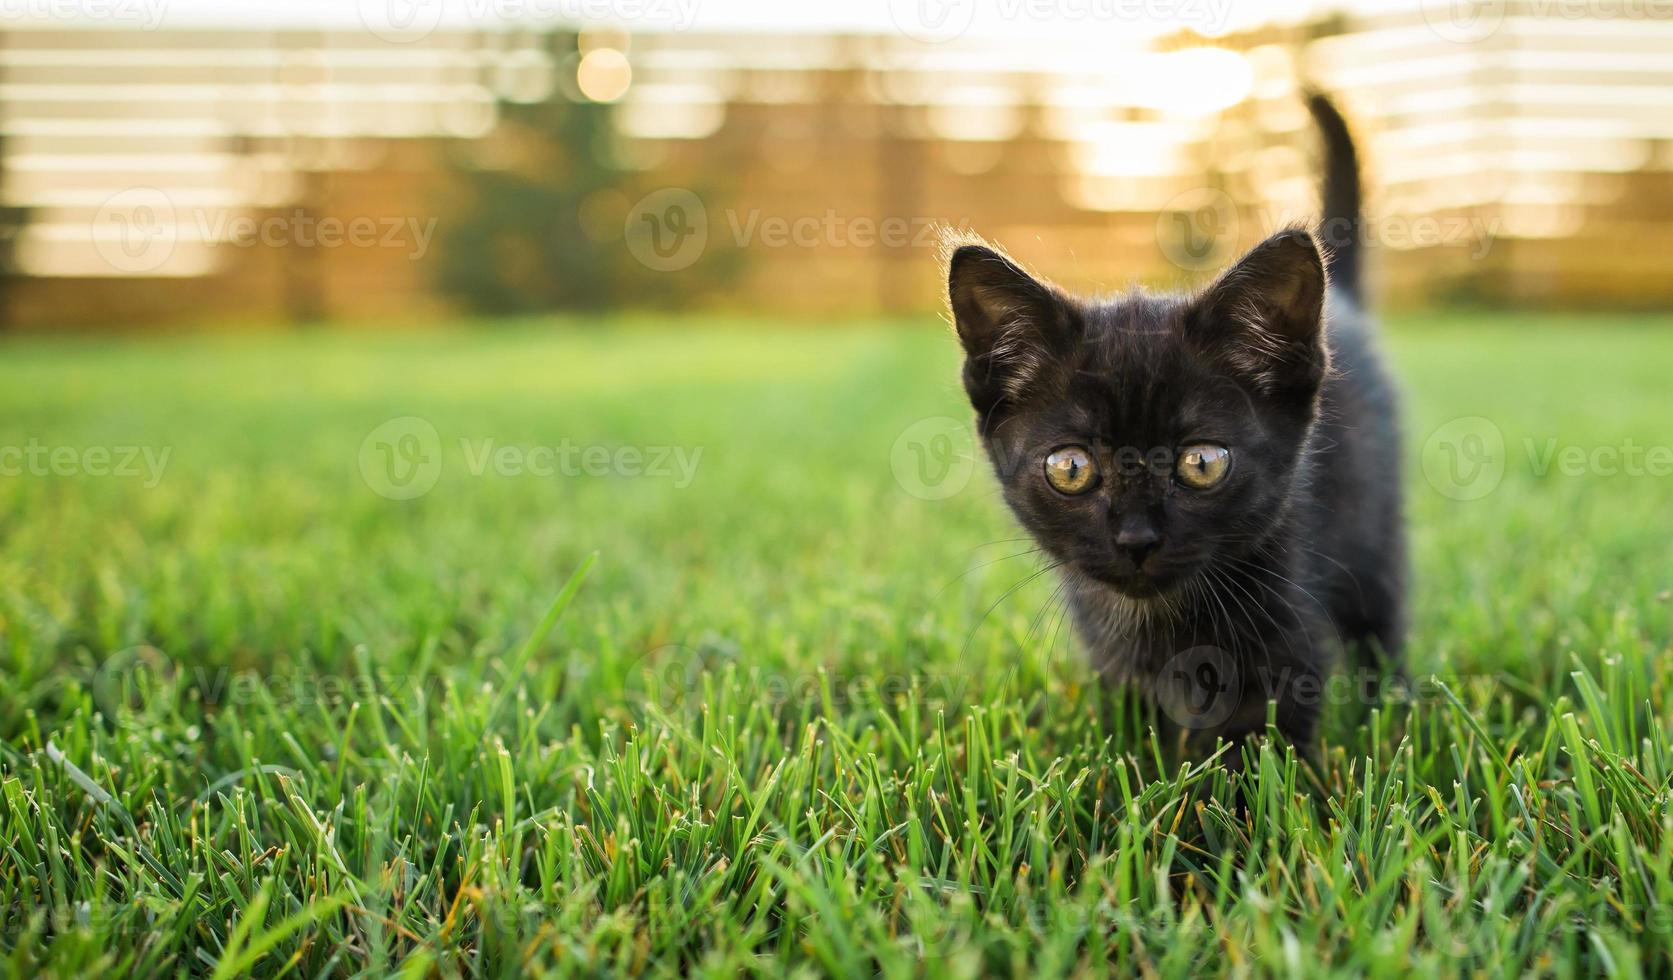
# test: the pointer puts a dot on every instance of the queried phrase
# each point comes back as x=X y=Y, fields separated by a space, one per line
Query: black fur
x=1340 y=229
x=1213 y=600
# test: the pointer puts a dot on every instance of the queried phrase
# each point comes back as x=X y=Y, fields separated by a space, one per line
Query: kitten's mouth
x=1136 y=583
x=1141 y=587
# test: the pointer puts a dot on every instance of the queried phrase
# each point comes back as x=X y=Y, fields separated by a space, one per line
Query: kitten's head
x=1143 y=438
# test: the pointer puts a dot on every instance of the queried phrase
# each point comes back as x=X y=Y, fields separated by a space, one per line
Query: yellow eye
x=1202 y=466
x=1071 y=470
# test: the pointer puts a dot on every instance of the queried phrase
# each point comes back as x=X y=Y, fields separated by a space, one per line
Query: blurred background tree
x=533 y=209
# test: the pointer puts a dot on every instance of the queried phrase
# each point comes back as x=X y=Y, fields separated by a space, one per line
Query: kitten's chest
x=1129 y=641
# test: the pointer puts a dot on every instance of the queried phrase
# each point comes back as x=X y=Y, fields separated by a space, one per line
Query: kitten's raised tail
x=1341 y=227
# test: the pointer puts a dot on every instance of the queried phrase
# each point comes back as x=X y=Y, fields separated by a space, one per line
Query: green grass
x=257 y=718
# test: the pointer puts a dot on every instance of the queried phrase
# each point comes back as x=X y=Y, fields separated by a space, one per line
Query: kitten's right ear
x=1009 y=323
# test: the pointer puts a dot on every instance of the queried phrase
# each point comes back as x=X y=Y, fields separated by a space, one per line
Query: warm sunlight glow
x=1195 y=80
x=604 y=75
x=669 y=111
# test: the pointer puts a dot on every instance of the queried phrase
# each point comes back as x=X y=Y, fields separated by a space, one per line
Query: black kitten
x=1216 y=476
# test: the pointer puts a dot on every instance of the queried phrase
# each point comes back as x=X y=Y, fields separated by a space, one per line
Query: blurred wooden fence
x=186 y=176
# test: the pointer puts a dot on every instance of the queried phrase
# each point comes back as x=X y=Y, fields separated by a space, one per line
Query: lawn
x=282 y=691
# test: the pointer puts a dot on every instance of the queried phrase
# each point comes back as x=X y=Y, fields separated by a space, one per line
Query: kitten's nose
x=1137 y=537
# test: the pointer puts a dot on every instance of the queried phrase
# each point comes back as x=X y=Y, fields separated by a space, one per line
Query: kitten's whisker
x=996 y=543
x=1006 y=595
x=976 y=568
x=1039 y=616
x=1287 y=580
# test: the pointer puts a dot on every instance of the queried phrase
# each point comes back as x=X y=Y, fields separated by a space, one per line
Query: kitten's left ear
x=1009 y=323
x=1265 y=315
